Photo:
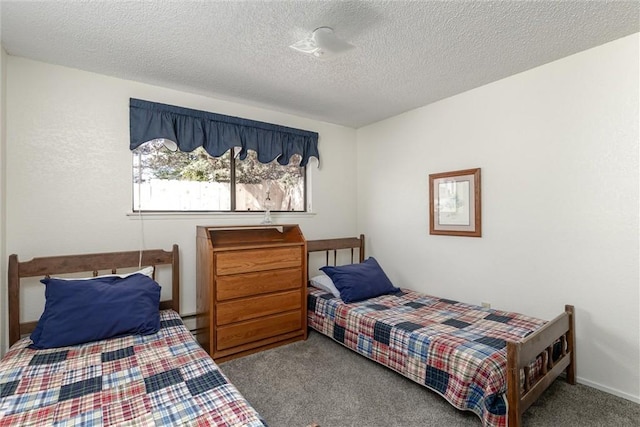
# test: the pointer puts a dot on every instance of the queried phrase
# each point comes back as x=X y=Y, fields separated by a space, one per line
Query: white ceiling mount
x=322 y=44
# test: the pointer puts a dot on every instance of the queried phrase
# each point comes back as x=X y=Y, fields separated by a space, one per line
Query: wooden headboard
x=94 y=263
x=334 y=245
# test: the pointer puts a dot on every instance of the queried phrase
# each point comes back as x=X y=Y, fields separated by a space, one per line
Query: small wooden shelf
x=251 y=292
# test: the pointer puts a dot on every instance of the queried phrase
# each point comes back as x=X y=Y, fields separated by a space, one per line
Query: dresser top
x=250 y=236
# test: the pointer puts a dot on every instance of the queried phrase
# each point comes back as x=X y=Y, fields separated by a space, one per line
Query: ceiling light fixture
x=322 y=44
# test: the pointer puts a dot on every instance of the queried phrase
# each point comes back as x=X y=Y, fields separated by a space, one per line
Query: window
x=167 y=181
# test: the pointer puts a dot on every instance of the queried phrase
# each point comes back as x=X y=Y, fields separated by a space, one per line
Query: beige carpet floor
x=321 y=381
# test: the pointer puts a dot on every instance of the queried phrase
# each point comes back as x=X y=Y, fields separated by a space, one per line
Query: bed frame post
x=513 y=384
x=571 y=344
x=175 y=279
x=362 y=248
x=14 y=299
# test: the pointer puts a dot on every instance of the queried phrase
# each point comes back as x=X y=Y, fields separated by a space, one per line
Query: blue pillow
x=80 y=311
x=357 y=282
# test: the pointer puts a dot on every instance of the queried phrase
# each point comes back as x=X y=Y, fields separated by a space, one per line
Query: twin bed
x=159 y=379
x=490 y=362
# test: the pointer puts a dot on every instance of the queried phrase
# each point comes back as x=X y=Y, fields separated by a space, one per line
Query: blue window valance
x=218 y=133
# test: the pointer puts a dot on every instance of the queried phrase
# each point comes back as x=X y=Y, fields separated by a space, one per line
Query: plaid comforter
x=164 y=379
x=455 y=349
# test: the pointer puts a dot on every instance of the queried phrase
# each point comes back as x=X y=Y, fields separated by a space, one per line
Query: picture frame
x=455 y=203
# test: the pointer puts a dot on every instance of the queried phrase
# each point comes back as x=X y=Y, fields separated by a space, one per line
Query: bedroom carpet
x=320 y=381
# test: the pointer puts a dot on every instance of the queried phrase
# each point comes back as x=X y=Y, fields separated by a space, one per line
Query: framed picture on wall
x=455 y=203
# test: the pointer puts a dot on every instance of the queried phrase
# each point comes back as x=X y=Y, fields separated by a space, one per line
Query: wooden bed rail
x=112 y=261
x=522 y=394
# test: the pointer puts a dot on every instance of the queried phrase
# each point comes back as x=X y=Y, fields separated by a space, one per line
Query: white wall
x=3 y=204
x=558 y=148
x=69 y=170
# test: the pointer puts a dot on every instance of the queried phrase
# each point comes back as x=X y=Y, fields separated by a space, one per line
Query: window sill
x=278 y=217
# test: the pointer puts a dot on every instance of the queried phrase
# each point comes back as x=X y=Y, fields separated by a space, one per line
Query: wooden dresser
x=251 y=292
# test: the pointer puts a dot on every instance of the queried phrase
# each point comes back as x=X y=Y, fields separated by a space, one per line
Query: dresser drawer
x=262 y=282
x=253 y=330
x=234 y=262
x=250 y=308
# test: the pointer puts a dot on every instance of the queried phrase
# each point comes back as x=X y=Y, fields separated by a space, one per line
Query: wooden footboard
x=522 y=393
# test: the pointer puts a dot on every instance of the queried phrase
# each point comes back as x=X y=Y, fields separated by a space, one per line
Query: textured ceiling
x=408 y=54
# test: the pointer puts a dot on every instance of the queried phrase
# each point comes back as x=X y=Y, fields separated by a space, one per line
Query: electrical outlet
x=486 y=304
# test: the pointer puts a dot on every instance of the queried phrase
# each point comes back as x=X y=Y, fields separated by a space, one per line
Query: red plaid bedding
x=455 y=349
x=164 y=379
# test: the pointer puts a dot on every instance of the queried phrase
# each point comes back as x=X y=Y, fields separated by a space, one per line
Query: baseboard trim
x=635 y=399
